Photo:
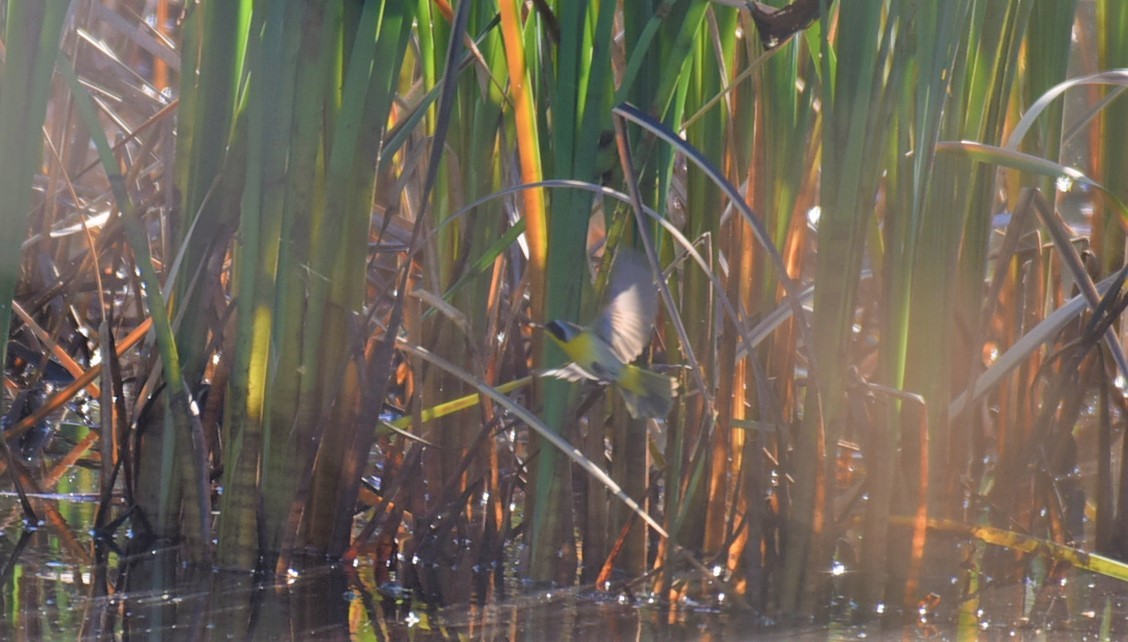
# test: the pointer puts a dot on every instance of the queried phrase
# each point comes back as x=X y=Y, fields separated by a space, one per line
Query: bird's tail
x=646 y=393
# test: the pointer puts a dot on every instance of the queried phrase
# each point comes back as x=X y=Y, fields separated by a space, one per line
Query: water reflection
x=46 y=593
x=153 y=597
x=48 y=590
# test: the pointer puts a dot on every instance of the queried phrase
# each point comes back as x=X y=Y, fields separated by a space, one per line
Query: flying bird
x=604 y=350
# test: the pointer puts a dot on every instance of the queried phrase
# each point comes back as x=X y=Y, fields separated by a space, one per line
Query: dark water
x=52 y=590
x=45 y=599
x=46 y=594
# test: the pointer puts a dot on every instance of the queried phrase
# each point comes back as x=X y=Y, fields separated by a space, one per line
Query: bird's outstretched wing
x=628 y=318
x=570 y=372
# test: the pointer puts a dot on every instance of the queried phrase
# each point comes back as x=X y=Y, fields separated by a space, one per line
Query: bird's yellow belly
x=595 y=357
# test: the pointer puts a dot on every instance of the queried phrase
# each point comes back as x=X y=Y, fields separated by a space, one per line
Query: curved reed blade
x=789 y=285
x=750 y=338
x=1036 y=165
x=1040 y=334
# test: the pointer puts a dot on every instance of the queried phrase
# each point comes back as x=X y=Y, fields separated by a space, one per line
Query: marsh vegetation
x=278 y=273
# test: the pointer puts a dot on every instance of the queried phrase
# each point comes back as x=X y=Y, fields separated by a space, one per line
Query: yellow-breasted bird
x=604 y=350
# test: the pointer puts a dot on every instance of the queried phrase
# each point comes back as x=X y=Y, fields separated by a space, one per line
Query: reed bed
x=287 y=262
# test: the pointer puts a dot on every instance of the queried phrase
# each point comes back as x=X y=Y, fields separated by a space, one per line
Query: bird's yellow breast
x=593 y=355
